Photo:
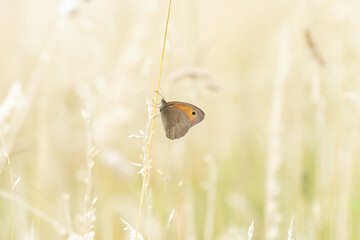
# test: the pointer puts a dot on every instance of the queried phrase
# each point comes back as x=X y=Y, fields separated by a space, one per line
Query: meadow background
x=279 y=82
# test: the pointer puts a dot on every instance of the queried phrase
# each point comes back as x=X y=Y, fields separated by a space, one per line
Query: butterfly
x=178 y=117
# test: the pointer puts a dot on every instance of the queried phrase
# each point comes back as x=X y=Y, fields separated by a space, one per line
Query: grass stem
x=151 y=128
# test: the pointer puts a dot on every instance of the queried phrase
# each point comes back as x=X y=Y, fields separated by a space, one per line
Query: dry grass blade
x=147 y=157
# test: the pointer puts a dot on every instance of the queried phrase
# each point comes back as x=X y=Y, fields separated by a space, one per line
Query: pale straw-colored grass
x=251 y=230
x=89 y=216
x=273 y=216
x=6 y=154
x=60 y=228
x=291 y=229
x=148 y=138
x=211 y=198
x=283 y=134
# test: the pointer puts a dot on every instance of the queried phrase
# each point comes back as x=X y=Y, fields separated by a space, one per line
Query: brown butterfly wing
x=194 y=113
x=176 y=123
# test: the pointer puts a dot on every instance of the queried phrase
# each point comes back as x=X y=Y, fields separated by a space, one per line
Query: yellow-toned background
x=280 y=138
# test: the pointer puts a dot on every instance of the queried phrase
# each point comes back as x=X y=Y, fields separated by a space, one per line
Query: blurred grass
x=105 y=56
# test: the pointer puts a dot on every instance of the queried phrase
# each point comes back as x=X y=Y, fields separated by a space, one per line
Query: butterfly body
x=179 y=117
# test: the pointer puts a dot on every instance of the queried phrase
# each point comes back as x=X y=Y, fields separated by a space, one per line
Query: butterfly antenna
x=160 y=94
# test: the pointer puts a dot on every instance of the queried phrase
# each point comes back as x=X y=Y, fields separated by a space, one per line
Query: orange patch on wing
x=188 y=110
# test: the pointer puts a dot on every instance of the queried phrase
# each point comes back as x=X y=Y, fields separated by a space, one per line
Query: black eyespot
x=193 y=113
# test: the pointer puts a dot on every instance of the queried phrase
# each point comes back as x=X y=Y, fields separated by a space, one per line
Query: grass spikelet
x=132 y=232
x=89 y=216
x=145 y=166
